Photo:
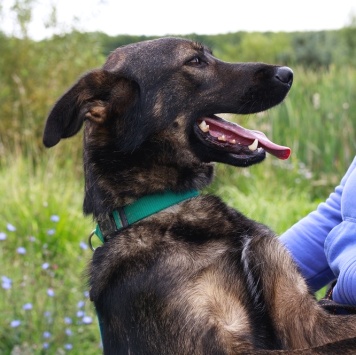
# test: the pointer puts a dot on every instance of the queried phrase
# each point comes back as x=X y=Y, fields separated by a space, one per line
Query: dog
x=189 y=274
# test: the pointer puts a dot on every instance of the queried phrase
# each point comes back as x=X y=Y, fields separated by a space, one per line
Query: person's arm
x=340 y=246
x=305 y=240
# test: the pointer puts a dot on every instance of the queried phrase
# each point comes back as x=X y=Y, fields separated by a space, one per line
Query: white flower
x=345 y=105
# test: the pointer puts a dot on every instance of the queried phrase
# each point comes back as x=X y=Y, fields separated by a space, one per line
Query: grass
x=44 y=301
x=261 y=194
x=318 y=121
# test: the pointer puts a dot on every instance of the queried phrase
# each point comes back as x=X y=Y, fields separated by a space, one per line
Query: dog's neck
x=140 y=209
x=125 y=185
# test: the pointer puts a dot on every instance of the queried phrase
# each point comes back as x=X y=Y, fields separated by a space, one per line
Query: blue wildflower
x=45 y=266
x=68 y=346
x=46 y=335
x=15 y=323
x=21 y=250
x=80 y=304
x=83 y=245
x=27 y=306
x=55 y=218
x=68 y=320
x=6 y=282
x=10 y=227
x=87 y=320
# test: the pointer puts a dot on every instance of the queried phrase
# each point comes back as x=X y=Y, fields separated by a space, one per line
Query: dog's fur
x=198 y=277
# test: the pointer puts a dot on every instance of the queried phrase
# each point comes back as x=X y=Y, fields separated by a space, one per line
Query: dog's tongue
x=233 y=131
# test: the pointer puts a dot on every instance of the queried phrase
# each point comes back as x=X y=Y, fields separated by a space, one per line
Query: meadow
x=44 y=302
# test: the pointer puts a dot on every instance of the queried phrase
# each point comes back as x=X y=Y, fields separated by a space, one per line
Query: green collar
x=140 y=209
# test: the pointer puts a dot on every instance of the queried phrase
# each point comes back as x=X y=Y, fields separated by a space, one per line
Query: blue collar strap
x=140 y=209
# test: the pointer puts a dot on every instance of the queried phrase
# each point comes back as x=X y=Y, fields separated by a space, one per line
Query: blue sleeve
x=305 y=240
x=340 y=246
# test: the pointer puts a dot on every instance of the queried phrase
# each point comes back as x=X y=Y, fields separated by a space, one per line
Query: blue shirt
x=323 y=244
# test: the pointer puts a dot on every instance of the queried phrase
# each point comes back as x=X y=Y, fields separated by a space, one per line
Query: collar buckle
x=142 y=208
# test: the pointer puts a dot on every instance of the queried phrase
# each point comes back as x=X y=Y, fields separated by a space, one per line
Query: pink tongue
x=232 y=131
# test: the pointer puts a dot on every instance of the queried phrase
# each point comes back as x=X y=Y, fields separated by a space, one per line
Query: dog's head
x=151 y=115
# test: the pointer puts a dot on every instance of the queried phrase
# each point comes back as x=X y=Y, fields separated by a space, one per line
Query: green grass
x=318 y=121
x=274 y=193
x=44 y=254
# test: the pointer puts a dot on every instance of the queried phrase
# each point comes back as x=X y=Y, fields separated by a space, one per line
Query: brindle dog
x=197 y=277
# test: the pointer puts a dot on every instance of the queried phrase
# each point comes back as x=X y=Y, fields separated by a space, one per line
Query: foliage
x=349 y=36
x=312 y=50
x=33 y=76
x=44 y=301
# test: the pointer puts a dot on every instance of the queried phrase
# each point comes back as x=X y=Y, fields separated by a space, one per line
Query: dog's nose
x=285 y=75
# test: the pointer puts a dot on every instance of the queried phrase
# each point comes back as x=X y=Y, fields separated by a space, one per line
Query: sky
x=163 y=17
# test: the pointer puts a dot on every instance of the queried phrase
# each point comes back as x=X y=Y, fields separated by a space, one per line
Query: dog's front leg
x=298 y=319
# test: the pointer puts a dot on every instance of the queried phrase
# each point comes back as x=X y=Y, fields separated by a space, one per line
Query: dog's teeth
x=254 y=145
x=233 y=141
x=222 y=138
x=204 y=127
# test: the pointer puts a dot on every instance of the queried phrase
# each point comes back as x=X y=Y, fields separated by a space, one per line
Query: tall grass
x=318 y=121
x=44 y=302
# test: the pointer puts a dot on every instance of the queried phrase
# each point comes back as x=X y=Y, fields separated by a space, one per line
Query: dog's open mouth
x=236 y=140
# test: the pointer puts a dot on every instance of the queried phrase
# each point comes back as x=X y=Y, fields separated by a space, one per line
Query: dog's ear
x=96 y=96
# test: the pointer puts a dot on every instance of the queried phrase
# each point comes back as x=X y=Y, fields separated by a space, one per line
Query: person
x=323 y=244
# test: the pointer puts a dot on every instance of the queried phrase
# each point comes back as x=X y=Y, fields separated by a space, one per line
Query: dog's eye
x=196 y=61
